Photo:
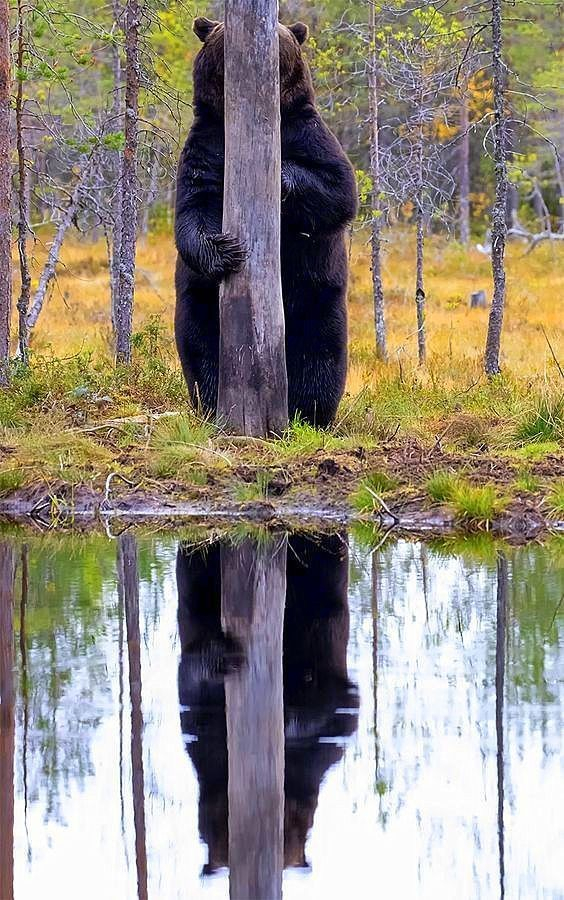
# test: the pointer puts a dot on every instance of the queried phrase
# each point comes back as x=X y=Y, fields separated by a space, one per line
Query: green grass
x=527 y=482
x=544 y=423
x=178 y=444
x=556 y=501
x=254 y=490
x=366 y=497
x=10 y=480
x=441 y=486
x=476 y=506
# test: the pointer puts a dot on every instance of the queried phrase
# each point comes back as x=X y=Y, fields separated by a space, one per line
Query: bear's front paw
x=225 y=254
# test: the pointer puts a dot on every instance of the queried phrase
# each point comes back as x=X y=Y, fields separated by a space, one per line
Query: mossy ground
x=441 y=434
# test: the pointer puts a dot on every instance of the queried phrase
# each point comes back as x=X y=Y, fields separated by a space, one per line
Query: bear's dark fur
x=318 y=201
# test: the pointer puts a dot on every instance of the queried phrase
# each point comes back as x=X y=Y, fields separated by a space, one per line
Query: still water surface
x=384 y=723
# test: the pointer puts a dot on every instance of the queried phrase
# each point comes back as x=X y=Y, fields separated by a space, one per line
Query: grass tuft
x=365 y=498
x=254 y=490
x=556 y=501
x=441 y=486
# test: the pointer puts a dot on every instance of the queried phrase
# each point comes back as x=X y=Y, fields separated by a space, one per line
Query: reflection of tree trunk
x=23 y=654
x=120 y=693
x=499 y=690
x=128 y=576
x=253 y=590
x=374 y=599
x=6 y=722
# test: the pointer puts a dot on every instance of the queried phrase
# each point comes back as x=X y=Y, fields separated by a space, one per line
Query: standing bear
x=318 y=202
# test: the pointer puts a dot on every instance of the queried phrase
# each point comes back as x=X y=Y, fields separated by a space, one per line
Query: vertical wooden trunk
x=499 y=226
x=7 y=722
x=253 y=591
x=128 y=587
x=377 y=286
x=253 y=391
x=464 y=171
x=23 y=196
x=123 y=311
x=5 y=194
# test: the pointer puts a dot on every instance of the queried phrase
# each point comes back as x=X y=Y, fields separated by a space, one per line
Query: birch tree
x=253 y=392
x=5 y=194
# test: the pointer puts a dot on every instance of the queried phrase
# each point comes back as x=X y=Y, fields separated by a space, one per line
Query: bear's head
x=296 y=87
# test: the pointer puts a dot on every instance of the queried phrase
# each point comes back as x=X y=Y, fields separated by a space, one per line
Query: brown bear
x=318 y=202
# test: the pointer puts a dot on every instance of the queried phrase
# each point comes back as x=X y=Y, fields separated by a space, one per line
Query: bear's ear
x=203 y=27
x=300 y=32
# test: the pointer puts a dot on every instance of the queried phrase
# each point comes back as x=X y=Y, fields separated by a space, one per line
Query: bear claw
x=227 y=254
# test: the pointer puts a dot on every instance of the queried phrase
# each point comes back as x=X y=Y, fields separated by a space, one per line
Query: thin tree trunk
x=23 y=199
x=152 y=190
x=502 y=580
x=123 y=311
x=499 y=228
x=50 y=267
x=377 y=286
x=420 y=240
x=253 y=391
x=129 y=578
x=253 y=591
x=5 y=194
x=464 y=171
x=117 y=125
x=7 y=721
x=559 y=172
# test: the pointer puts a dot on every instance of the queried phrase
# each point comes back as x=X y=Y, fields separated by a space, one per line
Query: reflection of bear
x=319 y=700
x=318 y=201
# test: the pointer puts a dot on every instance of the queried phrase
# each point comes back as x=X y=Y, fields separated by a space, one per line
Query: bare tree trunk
x=464 y=171
x=253 y=388
x=499 y=227
x=377 y=286
x=7 y=722
x=128 y=583
x=50 y=267
x=502 y=579
x=5 y=194
x=23 y=199
x=253 y=591
x=559 y=172
x=117 y=123
x=123 y=311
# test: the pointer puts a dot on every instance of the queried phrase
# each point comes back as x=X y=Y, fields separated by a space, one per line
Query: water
x=399 y=734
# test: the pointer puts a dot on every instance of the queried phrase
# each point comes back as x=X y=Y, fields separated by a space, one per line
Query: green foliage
x=441 y=486
x=367 y=497
x=556 y=501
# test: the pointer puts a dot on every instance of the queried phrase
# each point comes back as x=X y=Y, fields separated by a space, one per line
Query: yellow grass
x=77 y=314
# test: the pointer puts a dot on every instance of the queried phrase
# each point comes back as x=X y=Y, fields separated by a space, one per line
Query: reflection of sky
x=421 y=823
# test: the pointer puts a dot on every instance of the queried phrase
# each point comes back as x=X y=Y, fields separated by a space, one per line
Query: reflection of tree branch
x=502 y=578
x=128 y=575
x=6 y=722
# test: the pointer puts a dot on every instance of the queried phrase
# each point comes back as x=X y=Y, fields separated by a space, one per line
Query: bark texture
x=23 y=199
x=377 y=286
x=253 y=389
x=253 y=591
x=499 y=225
x=5 y=194
x=123 y=308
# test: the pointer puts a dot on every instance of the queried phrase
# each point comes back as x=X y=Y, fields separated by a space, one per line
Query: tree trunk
x=7 y=721
x=23 y=199
x=253 y=390
x=123 y=311
x=5 y=194
x=253 y=591
x=499 y=228
x=128 y=584
x=420 y=243
x=117 y=125
x=50 y=266
x=377 y=286
x=559 y=172
x=464 y=171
